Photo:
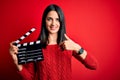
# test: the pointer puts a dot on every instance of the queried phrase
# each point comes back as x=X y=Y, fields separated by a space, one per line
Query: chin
x=53 y=32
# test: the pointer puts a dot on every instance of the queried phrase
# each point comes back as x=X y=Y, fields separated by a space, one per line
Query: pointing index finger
x=67 y=37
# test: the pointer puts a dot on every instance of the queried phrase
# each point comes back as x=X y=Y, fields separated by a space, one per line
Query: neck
x=52 y=39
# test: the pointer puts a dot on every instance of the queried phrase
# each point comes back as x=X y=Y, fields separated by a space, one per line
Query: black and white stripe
x=24 y=36
x=29 y=52
x=28 y=44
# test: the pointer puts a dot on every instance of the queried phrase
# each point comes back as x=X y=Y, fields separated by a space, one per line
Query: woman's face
x=52 y=22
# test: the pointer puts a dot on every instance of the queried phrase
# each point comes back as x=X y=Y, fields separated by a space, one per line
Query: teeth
x=53 y=27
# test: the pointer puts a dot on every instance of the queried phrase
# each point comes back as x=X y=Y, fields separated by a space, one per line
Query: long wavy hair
x=44 y=32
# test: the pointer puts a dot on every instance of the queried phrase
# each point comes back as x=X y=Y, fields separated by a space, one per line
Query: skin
x=52 y=25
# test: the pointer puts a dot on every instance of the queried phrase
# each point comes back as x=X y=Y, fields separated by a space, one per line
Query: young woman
x=57 y=48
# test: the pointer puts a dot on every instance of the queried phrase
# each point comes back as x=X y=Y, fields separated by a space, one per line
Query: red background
x=95 y=24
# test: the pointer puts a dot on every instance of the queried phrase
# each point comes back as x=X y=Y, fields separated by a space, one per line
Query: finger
x=61 y=43
x=67 y=37
x=62 y=46
x=13 y=48
x=11 y=44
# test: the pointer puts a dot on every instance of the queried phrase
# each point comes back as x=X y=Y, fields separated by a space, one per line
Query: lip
x=53 y=27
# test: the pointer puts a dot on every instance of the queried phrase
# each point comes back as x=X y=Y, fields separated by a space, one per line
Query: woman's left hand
x=68 y=44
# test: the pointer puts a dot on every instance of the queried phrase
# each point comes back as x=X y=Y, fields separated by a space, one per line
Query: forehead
x=52 y=14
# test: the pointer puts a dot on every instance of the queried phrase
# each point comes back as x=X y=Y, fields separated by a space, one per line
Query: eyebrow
x=51 y=18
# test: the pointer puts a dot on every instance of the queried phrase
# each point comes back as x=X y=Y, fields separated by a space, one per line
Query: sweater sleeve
x=28 y=72
x=90 y=62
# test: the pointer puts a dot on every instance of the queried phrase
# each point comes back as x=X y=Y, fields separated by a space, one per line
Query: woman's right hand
x=13 y=52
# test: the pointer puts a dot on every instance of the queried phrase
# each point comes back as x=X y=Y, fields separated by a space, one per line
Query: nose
x=53 y=22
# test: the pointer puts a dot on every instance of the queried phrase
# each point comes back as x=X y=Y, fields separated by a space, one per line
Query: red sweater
x=55 y=66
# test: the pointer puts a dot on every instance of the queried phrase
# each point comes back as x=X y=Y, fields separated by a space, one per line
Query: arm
x=89 y=61
x=25 y=71
x=85 y=58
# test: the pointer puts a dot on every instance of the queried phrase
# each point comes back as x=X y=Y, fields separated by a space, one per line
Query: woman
x=57 y=48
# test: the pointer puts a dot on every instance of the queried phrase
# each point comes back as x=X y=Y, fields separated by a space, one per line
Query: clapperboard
x=29 y=52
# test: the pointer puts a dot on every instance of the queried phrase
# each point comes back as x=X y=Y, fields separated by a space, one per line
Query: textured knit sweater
x=55 y=66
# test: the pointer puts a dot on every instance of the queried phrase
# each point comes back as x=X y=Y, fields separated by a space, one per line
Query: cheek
x=48 y=24
x=58 y=25
x=58 y=28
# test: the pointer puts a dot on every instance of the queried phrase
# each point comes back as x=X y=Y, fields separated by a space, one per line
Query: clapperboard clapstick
x=29 y=52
